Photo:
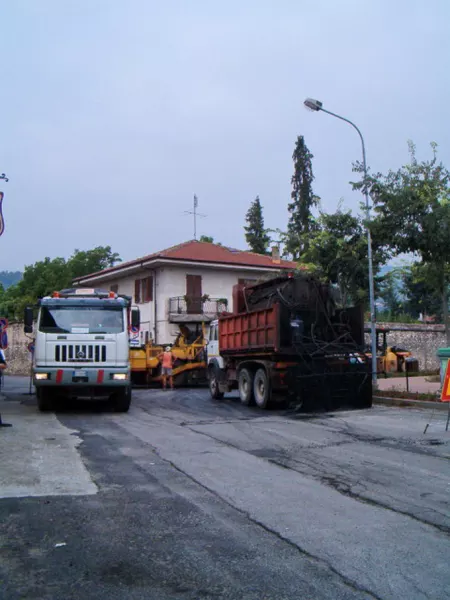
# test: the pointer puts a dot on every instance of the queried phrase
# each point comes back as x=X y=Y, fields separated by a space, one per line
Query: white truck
x=81 y=346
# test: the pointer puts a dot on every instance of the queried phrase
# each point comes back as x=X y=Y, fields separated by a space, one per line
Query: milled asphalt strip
x=343 y=532
x=352 y=584
x=39 y=456
x=333 y=482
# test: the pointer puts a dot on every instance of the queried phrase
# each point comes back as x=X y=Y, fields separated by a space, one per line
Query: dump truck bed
x=256 y=331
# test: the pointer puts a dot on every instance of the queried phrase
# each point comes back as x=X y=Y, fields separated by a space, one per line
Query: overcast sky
x=113 y=113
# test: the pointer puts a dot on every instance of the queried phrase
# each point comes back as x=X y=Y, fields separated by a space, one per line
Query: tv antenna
x=196 y=214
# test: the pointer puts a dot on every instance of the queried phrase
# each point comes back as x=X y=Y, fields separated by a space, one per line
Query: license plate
x=80 y=373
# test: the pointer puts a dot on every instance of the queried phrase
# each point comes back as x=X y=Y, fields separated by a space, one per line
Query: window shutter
x=114 y=288
x=137 y=291
x=148 y=285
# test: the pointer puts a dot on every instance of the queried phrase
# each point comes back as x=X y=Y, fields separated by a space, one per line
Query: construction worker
x=167 y=359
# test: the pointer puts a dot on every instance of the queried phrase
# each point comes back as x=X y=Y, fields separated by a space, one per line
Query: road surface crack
x=338 y=485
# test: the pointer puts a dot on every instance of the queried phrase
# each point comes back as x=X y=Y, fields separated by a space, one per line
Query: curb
x=405 y=403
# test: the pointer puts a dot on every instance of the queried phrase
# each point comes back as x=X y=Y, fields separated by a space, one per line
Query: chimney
x=276 y=255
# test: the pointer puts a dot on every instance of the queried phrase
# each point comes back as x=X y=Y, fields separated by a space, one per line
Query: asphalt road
x=188 y=498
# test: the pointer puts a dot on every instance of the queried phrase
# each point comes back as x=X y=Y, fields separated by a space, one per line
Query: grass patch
x=432 y=373
x=407 y=395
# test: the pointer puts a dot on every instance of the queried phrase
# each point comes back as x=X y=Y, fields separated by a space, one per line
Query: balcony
x=185 y=309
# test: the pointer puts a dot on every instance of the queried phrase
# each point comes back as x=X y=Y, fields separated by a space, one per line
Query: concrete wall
x=17 y=356
x=422 y=340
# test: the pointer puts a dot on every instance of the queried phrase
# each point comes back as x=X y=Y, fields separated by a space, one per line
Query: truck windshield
x=86 y=319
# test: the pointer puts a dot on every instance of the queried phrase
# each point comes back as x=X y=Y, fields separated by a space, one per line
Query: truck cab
x=215 y=362
x=82 y=346
x=212 y=349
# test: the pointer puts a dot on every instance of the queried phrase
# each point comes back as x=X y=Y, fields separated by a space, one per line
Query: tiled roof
x=194 y=251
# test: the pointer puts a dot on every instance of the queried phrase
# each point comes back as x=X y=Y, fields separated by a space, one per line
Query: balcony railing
x=185 y=305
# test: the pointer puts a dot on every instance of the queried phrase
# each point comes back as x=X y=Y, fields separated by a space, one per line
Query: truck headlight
x=119 y=376
x=40 y=376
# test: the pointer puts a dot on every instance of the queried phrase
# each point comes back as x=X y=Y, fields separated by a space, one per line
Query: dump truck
x=81 y=346
x=286 y=340
x=189 y=353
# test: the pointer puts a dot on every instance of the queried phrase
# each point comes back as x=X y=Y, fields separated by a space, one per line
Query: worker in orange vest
x=167 y=359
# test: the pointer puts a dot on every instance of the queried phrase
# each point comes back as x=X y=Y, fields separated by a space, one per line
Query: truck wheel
x=44 y=399
x=214 y=388
x=364 y=400
x=261 y=388
x=122 y=400
x=364 y=395
x=245 y=385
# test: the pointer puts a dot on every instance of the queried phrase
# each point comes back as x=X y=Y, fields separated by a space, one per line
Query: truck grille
x=80 y=353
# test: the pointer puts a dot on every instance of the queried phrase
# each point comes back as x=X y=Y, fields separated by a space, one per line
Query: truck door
x=213 y=343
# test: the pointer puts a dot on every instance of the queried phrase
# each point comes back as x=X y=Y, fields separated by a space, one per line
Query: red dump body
x=256 y=331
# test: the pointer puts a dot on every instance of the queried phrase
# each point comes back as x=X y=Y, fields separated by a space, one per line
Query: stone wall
x=422 y=340
x=17 y=356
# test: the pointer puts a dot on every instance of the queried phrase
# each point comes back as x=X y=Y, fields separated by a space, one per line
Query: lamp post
x=316 y=105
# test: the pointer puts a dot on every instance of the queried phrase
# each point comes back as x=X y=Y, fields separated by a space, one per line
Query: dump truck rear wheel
x=245 y=385
x=214 y=388
x=261 y=388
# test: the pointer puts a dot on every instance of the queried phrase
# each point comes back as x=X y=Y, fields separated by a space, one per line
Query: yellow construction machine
x=391 y=359
x=189 y=366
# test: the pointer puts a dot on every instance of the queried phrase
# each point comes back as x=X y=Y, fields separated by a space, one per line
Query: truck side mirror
x=28 y=320
x=135 y=318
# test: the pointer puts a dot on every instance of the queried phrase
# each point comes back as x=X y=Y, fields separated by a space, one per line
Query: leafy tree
x=389 y=292
x=301 y=221
x=255 y=234
x=206 y=238
x=338 y=253
x=422 y=296
x=412 y=215
x=83 y=262
x=48 y=275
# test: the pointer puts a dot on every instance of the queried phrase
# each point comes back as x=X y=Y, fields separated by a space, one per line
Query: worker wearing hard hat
x=167 y=359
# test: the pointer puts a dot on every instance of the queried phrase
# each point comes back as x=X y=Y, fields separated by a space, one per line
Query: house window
x=114 y=288
x=143 y=290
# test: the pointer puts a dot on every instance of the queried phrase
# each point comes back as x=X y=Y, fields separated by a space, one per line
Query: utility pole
x=196 y=214
x=316 y=105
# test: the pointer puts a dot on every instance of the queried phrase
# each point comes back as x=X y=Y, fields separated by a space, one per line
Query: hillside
x=8 y=278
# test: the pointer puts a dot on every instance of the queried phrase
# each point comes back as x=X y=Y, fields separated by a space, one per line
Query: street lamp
x=316 y=105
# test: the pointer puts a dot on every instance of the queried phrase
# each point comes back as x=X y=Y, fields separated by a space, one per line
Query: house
x=189 y=283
